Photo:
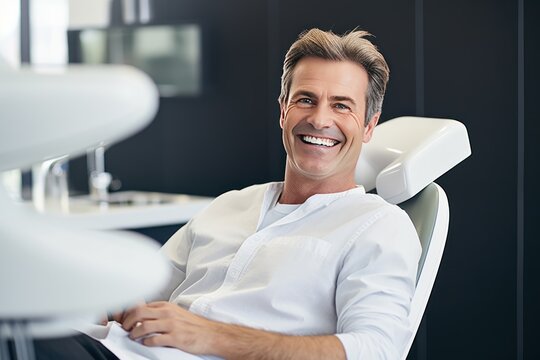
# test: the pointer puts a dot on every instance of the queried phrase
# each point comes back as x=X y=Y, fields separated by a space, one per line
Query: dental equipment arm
x=50 y=272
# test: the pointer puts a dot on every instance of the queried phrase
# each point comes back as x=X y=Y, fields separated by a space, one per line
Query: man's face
x=323 y=119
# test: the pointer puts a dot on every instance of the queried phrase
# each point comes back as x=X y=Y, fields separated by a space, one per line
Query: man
x=311 y=268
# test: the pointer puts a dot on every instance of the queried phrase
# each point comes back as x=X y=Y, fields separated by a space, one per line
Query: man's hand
x=167 y=324
x=117 y=316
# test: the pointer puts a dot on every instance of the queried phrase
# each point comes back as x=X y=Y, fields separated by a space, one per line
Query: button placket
x=243 y=257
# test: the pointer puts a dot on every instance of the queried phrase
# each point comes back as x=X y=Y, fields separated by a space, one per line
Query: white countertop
x=120 y=216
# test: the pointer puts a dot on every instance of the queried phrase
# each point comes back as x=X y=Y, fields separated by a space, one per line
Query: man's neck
x=297 y=189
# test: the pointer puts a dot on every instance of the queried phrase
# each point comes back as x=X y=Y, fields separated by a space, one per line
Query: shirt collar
x=313 y=203
x=275 y=188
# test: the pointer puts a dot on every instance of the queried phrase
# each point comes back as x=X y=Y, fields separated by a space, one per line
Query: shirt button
x=234 y=273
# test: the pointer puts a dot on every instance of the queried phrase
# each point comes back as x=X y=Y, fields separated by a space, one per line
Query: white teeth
x=319 y=141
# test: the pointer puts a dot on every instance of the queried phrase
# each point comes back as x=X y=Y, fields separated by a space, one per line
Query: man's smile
x=313 y=140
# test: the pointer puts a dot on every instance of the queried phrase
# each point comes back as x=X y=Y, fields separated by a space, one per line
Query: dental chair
x=401 y=162
x=54 y=276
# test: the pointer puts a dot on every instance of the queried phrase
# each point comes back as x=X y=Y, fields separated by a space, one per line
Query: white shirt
x=342 y=263
x=277 y=212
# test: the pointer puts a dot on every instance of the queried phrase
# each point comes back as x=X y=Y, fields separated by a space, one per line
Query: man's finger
x=137 y=315
x=158 y=340
x=118 y=317
x=158 y=304
x=148 y=327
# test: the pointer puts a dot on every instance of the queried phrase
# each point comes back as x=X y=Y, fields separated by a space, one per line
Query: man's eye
x=340 y=106
x=305 y=101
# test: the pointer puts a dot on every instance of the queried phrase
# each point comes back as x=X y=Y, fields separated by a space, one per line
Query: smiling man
x=324 y=127
x=308 y=268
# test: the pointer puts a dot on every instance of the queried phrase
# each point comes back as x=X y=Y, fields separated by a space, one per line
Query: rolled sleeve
x=375 y=287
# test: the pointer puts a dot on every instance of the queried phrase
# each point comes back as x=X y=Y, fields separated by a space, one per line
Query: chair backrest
x=404 y=157
x=429 y=213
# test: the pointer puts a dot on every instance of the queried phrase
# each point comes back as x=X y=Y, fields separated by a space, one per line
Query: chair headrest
x=407 y=153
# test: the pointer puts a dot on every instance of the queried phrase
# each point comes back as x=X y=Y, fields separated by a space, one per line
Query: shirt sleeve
x=375 y=287
x=176 y=249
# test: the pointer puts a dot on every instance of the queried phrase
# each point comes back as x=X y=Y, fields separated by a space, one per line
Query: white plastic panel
x=66 y=110
x=407 y=153
x=50 y=270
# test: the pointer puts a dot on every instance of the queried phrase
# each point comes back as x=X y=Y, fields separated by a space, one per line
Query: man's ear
x=281 y=114
x=368 y=131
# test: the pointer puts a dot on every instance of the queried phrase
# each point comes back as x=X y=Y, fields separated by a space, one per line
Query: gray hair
x=351 y=46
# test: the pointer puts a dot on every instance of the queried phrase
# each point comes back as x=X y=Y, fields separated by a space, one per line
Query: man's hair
x=351 y=46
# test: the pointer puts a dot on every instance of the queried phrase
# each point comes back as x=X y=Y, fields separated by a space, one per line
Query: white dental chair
x=402 y=160
x=53 y=275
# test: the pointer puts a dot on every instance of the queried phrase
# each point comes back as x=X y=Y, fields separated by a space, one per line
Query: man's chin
x=316 y=173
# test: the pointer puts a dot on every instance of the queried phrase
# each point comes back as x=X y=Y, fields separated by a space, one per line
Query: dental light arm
x=51 y=272
x=49 y=113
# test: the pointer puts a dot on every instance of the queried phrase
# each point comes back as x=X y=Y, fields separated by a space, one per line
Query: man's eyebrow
x=343 y=98
x=306 y=93
x=312 y=95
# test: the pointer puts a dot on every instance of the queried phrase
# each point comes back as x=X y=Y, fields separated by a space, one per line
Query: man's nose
x=321 y=117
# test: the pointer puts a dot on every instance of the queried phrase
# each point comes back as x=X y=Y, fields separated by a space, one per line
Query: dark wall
x=531 y=195
x=471 y=75
x=217 y=141
x=229 y=138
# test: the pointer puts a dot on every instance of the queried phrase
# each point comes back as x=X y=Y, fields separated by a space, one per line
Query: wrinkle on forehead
x=292 y=105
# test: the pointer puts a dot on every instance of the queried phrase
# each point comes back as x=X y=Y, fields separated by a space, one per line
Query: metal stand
x=23 y=348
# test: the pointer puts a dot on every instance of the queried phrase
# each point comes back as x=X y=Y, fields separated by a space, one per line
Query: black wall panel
x=229 y=137
x=471 y=75
x=531 y=288
x=217 y=141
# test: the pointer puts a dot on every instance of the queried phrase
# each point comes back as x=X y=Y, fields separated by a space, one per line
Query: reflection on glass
x=170 y=55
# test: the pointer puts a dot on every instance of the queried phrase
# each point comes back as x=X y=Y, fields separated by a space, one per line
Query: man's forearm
x=238 y=342
x=173 y=326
